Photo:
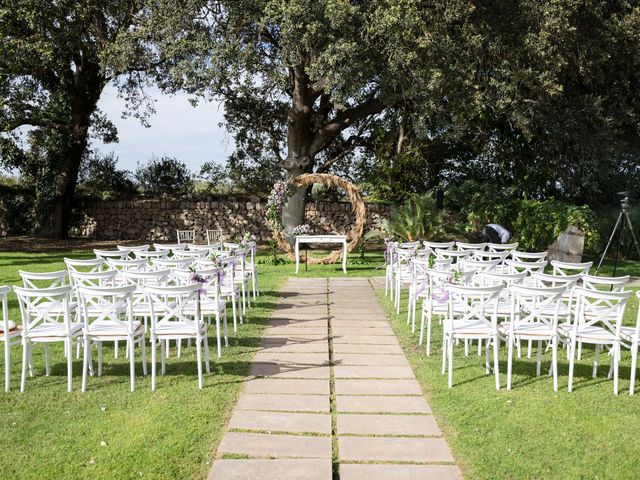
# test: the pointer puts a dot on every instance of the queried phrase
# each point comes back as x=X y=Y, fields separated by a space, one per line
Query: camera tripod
x=623 y=218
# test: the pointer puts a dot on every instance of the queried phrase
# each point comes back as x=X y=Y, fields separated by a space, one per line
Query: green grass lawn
x=172 y=433
x=529 y=432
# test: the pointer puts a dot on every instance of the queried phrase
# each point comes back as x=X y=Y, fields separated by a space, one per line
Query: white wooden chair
x=241 y=276
x=630 y=337
x=43 y=279
x=435 y=300
x=611 y=284
x=598 y=322
x=151 y=254
x=228 y=287
x=528 y=256
x=132 y=249
x=402 y=271
x=473 y=315
x=568 y=268
x=478 y=266
x=111 y=254
x=251 y=267
x=142 y=279
x=464 y=246
x=10 y=335
x=454 y=255
x=181 y=254
x=186 y=236
x=484 y=256
x=46 y=319
x=438 y=245
x=135 y=265
x=502 y=247
x=534 y=317
x=389 y=264
x=213 y=236
x=169 y=247
x=171 y=263
x=172 y=318
x=106 y=314
x=517 y=266
x=211 y=304
x=419 y=287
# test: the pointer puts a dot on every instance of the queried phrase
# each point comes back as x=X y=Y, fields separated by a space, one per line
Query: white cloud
x=192 y=135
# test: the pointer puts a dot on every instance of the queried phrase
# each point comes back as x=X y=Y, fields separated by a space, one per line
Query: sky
x=191 y=135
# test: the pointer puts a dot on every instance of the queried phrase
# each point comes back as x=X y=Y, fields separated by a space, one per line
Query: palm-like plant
x=416 y=219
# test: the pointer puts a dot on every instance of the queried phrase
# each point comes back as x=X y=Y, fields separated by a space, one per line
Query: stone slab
x=282 y=469
x=346 y=322
x=270 y=385
x=366 y=339
x=362 y=359
x=275 y=370
x=382 y=404
x=355 y=371
x=281 y=421
x=394 y=449
x=423 y=425
x=282 y=402
x=367 y=349
x=377 y=387
x=289 y=358
x=295 y=330
x=294 y=338
x=298 y=322
x=276 y=446
x=354 y=471
x=307 y=347
x=361 y=331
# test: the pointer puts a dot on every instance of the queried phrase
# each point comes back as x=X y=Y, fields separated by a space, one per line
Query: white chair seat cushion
x=53 y=330
x=206 y=305
x=54 y=308
x=14 y=331
x=469 y=327
x=595 y=333
x=109 y=328
x=628 y=333
x=177 y=328
x=537 y=329
x=12 y=326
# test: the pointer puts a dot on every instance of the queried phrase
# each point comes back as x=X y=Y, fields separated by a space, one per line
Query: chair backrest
x=214 y=236
x=549 y=280
x=107 y=305
x=474 y=303
x=502 y=247
x=403 y=257
x=171 y=263
x=409 y=245
x=496 y=278
x=43 y=279
x=515 y=266
x=461 y=246
x=230 y=245
x=604 y=308
x=200 y=248
x=88 y=265
x=175 y=304
x=438 y=245
x=186 y=236
x=139 y=264
x=40 y=306
x=535 y=304
x=567 y=268
x=169 y=247
x=445 y=277
x=181 y=254
x=106 y=254
x=94 y=279
x=209 y=279
x=483 y=255
x=528 y=256
x=478 y=266
x=613 y=284
x=454 y=255
x=151 y=253
x=156 y=278
x=134 y=248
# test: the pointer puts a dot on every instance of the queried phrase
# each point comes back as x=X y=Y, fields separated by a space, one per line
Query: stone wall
x=158 y=219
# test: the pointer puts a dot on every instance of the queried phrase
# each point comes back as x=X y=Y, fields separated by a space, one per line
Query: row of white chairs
x=98 y=300
x=435 y=280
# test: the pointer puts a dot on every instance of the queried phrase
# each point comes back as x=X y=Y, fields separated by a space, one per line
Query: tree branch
x=34 y=122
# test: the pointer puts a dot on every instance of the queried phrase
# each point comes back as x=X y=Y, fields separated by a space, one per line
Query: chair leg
x=487 y=364
x=207 y=364
x=554 y=362
x=572 y=354
x=143 y=347
x=68 y=347
x=78 y=351
x=616 y=362
x=596 y=352
x=634 y=365
x=450 y=347
x=496 y=367
x=47 y=371
x=466 y=348
x=131 y=343
x=510 y=342
x=429 y=320
x=529 y=348
x=580 y=350
x=179 y=342
x=25 y=360
x=421 y=337
x=226 y=330
x=539 y=358
x=7 y=364
x=85 y=363
x=199 y=361
x=167 y=348
x=116 y=349
x=218 y=340
x=30 y=359
x=153 y=364
x=479 y=346
x=233 y=308
x=163 y=357
x=99 y=345
x=445 y=349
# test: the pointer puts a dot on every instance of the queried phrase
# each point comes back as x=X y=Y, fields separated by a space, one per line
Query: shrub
x=100 y=178
x=416 y=219
x=164 y=175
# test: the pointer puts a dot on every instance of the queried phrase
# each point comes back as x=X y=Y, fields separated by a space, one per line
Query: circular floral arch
x=357 y=204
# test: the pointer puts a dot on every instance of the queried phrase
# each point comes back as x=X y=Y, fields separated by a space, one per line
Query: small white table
x=322 y=239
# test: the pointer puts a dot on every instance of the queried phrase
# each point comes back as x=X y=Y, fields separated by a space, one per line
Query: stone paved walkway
x=285 y=425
